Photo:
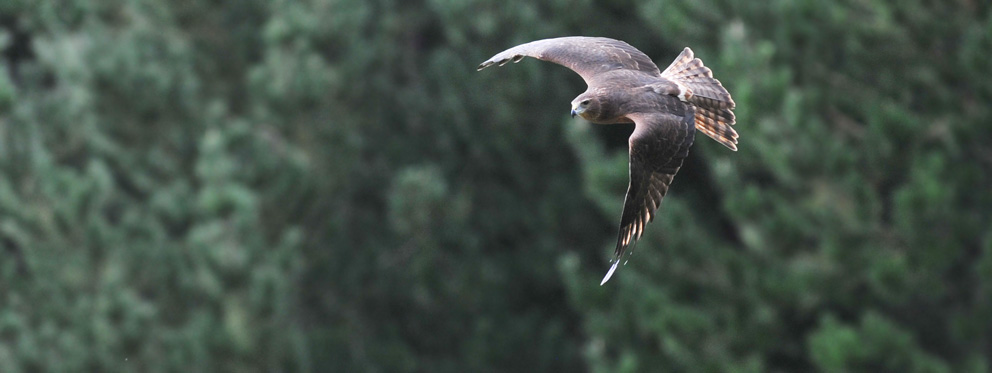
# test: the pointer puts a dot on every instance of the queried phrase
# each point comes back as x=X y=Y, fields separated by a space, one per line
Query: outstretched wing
x=660 y=142
x=587 y=56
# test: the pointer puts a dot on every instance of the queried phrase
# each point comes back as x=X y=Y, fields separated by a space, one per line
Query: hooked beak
x=576 y=110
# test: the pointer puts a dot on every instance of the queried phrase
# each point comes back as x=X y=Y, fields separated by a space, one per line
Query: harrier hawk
x=666 y=107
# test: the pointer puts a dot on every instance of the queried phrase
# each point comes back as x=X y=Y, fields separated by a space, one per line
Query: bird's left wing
x=587 y=56
x=658 y=146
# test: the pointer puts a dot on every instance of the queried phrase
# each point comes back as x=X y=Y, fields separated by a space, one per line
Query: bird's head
x=586 y=106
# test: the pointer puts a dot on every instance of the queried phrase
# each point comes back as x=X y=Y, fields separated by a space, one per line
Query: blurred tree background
x=329 y=185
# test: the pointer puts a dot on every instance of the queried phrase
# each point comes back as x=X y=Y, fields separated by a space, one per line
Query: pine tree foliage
x=329 y=185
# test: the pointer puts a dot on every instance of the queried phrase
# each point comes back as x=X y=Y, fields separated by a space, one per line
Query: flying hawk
x=666 y=107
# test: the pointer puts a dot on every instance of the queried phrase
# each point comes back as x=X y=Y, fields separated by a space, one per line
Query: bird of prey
x=666 y=107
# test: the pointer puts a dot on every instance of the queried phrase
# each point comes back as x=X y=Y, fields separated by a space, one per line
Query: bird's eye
x=584 y=102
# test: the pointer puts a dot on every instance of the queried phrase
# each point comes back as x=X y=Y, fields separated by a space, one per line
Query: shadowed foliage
x=329 y=185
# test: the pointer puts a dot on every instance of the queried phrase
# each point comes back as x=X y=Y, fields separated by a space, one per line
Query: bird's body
x=666 y=107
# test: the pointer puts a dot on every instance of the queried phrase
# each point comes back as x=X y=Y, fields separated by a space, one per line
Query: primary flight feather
x=666 y=107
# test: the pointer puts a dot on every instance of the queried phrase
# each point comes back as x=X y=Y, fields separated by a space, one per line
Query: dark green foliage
x=329 y=185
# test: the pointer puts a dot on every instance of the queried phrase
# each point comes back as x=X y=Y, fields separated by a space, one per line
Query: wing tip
x=610 y=273
x=498 y=60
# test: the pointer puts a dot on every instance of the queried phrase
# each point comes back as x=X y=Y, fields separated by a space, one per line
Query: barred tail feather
x=714 y=106
x=717 y=125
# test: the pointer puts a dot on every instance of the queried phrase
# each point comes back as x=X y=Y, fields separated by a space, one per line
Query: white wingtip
x=610 y=273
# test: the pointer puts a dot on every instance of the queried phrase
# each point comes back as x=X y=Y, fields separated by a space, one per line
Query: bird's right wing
x=658 y=146
x=587 y=56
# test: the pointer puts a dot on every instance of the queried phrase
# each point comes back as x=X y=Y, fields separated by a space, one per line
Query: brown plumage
x=666 y=107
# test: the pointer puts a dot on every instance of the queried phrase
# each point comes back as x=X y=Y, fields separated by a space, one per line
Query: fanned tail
x=714 y=106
